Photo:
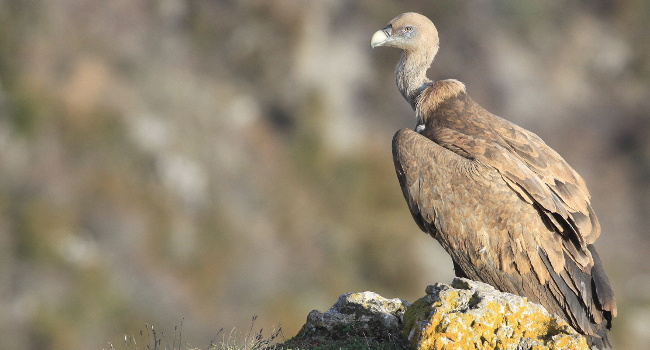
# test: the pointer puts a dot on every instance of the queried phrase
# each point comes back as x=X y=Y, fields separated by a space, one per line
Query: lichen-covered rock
x=463 y=315
x=366 y=319
x=361 y=311
x=473 y=315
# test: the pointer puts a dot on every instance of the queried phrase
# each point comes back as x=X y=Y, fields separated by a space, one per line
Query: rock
x=463 y=315
x=366 y=319
x=474 y=315
x=366 y=310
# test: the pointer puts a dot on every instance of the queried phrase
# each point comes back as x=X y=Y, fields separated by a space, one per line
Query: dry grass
x=252 y=339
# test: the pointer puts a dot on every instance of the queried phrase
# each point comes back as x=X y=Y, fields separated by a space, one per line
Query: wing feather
x=530 y=167
x=562 y=180
x=445 y=193
x=498 y=221
x=506 y=207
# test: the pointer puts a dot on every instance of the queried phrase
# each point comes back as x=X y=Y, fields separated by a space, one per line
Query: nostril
x=388 y=30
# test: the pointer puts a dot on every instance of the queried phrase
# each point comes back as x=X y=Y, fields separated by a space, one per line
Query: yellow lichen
x=436 y=323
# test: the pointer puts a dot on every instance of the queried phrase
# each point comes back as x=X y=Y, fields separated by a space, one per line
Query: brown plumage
x=505 y=206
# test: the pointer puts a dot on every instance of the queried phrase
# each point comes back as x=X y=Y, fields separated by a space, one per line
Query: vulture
x=505 y=206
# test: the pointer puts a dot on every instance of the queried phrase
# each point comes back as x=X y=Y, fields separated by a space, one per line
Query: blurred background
x=199 y=162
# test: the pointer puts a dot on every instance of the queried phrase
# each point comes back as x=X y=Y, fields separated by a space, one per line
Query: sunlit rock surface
x=463 y=315
x=474 y=315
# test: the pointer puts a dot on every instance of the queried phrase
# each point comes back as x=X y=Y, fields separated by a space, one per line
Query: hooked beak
x=381 y=37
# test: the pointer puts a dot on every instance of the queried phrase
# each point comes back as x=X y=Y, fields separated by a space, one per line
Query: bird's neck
x=411 y=75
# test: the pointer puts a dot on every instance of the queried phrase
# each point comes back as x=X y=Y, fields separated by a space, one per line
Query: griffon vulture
x=505 y=206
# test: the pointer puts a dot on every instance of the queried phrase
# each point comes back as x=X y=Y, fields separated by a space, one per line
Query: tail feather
x=585 y=299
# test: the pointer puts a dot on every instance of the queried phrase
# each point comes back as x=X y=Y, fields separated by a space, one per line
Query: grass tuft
x=251 y=340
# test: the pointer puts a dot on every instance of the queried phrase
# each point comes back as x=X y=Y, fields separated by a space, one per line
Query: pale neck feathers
x=412 y=81
x=411 y=75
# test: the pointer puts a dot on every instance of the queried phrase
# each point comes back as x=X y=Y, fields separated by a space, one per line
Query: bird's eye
x=408 y=29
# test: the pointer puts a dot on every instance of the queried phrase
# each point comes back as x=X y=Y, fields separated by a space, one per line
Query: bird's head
x=411 y=32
